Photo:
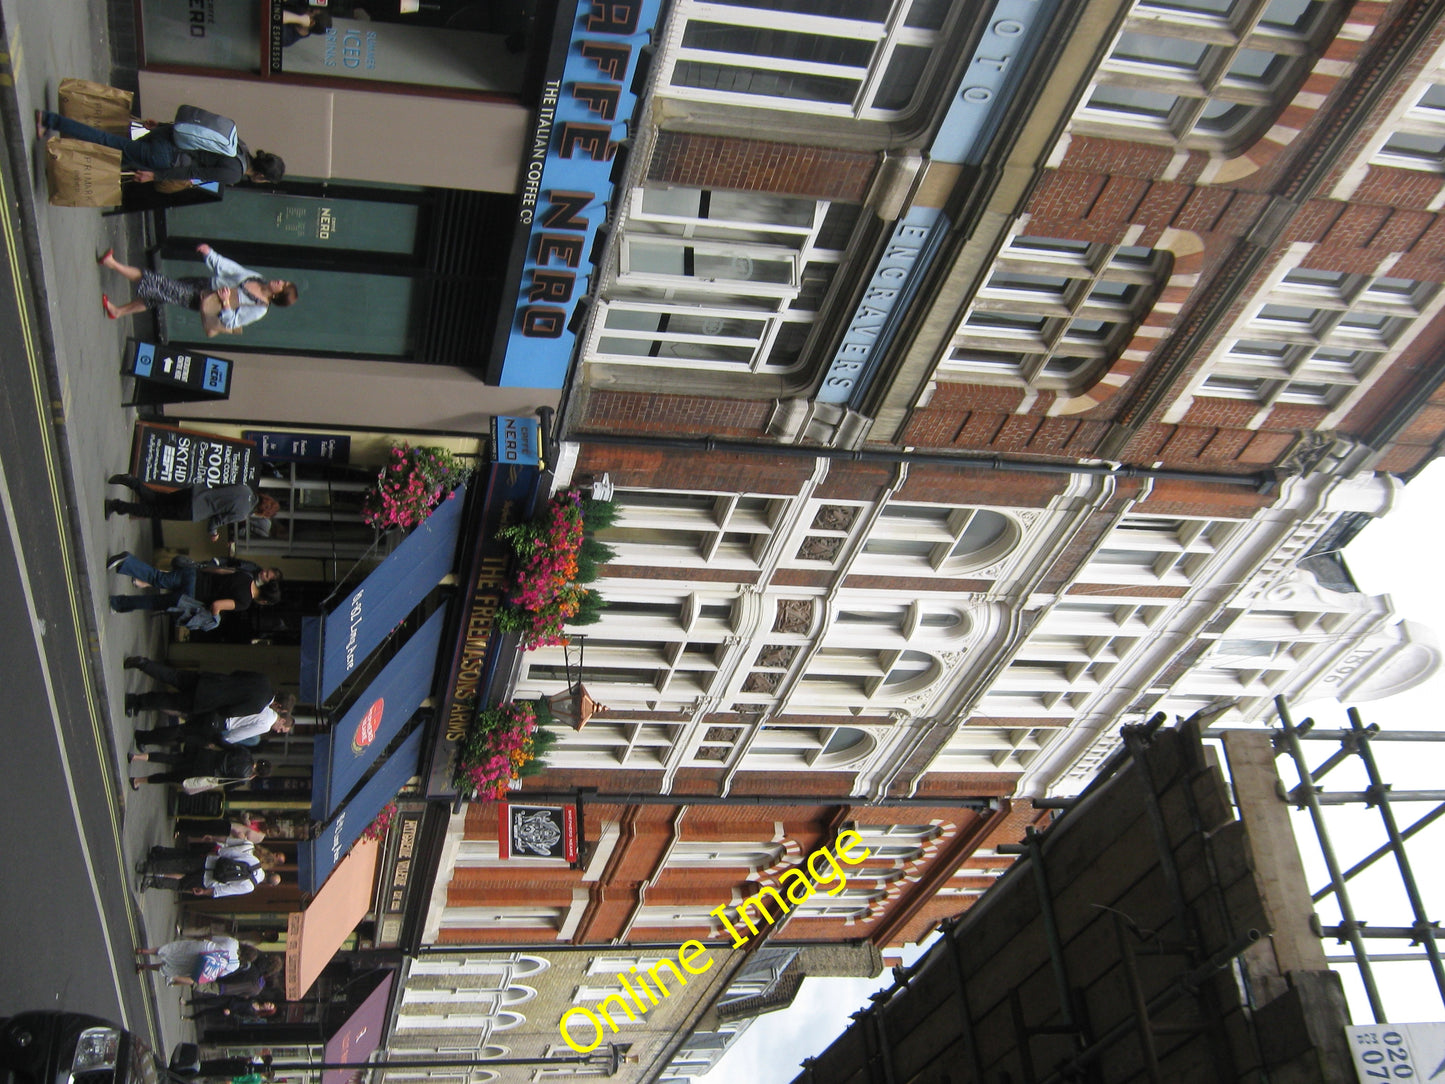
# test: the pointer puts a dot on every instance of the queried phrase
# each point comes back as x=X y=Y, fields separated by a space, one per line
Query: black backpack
x=237 y=763
x=228 y=871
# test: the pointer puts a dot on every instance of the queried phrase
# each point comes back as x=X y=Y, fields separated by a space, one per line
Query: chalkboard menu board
x=170 y=457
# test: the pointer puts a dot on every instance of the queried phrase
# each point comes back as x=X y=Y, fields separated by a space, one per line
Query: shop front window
x=461 y=44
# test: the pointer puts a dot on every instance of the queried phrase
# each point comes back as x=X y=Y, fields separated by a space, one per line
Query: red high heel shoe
x=106 y=305
x=106 y=255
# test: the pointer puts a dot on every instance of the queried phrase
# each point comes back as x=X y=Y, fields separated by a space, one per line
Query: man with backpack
x=230 y=869
x=196 y=146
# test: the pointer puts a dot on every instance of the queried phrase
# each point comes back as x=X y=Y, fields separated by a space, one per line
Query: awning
x=375 y=719
x=334 y=645
x=314 y=935
x=316 y=858
x=359 y=1036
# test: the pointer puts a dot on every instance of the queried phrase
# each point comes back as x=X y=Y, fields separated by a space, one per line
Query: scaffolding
x=1307 y=794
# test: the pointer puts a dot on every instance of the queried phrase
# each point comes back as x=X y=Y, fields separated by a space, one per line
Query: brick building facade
x=970 y=381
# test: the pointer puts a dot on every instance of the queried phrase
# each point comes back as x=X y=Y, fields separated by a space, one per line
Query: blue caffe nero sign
x=567 y=182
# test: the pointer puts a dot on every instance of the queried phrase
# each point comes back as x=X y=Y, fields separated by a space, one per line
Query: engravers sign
x=537 y=831
x=167 y=456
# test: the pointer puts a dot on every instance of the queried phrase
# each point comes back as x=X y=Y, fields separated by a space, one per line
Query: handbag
x=95 y=104
x=199 y=784
x=81 y=174
x=210 y=967
x=193 y=614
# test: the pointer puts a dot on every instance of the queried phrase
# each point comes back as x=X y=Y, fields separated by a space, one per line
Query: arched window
x=1054 y=312
x=816 y=747
x=1209 y=74
x=938 y=538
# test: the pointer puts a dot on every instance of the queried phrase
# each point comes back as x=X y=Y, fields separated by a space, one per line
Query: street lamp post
x=609 y=1058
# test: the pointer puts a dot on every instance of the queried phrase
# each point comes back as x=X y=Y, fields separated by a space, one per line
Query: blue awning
x=377 y=717
x=316 y=858
x=333 y=646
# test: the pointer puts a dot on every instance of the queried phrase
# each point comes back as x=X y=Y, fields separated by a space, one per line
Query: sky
x=1397 y=555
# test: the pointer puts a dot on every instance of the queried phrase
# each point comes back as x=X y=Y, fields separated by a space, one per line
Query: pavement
x=74 y=830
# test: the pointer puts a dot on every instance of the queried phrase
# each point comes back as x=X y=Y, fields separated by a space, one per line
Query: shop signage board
x=587 y=103
x=396 y=879
x=377 y=717
x=480 y=649
x=537 y=832
x=176 y=375
x=170 y=457
x=516 y=440
x=334 y=645
x=301 y=447
x=1397 y=1051
x=316 y=858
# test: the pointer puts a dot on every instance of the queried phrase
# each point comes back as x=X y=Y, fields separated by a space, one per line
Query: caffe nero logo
x=367 y=728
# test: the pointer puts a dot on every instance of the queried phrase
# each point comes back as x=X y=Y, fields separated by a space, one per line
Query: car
x=73 y=1048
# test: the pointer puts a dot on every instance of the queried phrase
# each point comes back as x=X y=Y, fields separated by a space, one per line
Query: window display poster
x=424 y=55
x=537 y=831
x=170 y=457
x=301 y=447
x=203 y=33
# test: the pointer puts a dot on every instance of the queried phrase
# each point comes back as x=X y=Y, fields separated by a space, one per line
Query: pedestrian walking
x=234 y=869
x=241 y=692
x=188 y=962
x=240 y=1011
x=230 y=298
x=219 y=590
x=204 y=728
x=156 y=156
x=216 y=505
x=220 y=768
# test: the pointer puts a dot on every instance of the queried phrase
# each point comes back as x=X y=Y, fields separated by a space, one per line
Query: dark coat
x=241 y=692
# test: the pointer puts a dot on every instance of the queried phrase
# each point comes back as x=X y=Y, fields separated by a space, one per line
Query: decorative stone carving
x=762 y=682
x=817 y=548
x=778 y=655
x=723 y=733
x=835 y=517
x=795 y=616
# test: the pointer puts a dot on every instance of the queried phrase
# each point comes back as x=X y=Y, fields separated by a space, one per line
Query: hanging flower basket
x=503 y=745
x=555 y=556
x=378 y=828
x=413 y=482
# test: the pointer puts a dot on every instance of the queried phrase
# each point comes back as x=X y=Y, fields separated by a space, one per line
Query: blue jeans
x=148 y=153
x=172 y=585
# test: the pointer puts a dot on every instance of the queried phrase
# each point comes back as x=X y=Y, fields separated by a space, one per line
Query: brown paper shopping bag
x=82 y=174
x=95 y=104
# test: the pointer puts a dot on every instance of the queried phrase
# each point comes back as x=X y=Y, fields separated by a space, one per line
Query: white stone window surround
x=692 y=528
x=1201 y=73
x=882 y=39
x=974 y=748
x=908 y=538
x=708 y=279
x=1153 y=549
x=1410 y=136
x=1053 y=312
x=1340 y=321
